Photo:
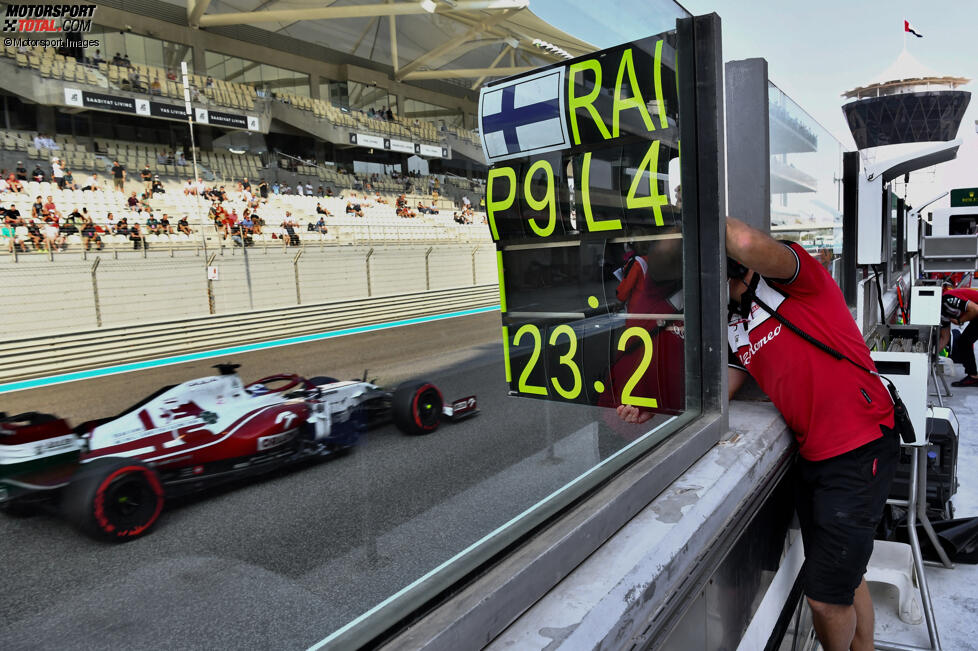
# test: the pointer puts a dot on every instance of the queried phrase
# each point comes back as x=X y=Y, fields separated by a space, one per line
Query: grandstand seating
x=50 y=64
x=379 y=223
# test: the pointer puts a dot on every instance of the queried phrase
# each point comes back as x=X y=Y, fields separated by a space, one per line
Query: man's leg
x=966 y=342
x=865 y=619
x=834 y=624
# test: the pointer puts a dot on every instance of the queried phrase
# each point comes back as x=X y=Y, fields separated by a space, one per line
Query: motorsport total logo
x=53 y=18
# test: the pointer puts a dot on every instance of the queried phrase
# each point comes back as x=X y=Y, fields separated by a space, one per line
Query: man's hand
x=759 y=251
x=632 y=414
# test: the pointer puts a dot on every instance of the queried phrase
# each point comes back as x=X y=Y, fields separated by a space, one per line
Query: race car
x=110 y=477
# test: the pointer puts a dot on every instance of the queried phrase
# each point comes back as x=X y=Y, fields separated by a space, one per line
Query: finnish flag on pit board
x=524 y=116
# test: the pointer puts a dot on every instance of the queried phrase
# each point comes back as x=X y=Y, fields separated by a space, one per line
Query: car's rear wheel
x=416 y=407
x=114 y=499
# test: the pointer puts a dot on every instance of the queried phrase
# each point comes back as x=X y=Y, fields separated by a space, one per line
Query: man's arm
x=759 y=251
x=735 y=380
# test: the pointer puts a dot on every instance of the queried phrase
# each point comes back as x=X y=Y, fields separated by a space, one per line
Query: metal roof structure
x=464 y=42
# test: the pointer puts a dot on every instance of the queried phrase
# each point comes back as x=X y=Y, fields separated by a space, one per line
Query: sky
x=818 y=50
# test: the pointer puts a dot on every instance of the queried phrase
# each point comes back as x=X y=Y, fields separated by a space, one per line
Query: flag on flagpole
x=907 y=27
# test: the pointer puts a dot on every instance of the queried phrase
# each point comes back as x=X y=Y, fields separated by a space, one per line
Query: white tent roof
x=906 y=70
x=456 y=40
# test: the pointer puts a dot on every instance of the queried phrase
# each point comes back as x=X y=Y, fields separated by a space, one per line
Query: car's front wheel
x=416 y=407
x=114 y=499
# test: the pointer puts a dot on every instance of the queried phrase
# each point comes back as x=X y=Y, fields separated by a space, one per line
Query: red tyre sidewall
x=98 y=510
x=414 y=407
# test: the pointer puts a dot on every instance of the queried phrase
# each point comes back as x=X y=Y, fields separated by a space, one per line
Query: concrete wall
x=44 y=295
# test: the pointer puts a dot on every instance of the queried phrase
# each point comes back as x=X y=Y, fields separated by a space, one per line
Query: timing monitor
x=582 y=196
x=872 y=222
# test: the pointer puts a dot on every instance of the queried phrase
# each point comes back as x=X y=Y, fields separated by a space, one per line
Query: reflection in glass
x=806 y=181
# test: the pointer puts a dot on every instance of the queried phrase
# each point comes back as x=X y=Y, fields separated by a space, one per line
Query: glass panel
x=806 y=182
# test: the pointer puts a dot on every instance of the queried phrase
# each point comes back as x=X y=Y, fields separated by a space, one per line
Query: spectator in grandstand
x=389 y=114
x=256 y=223
x=136 y=237
x=53 y=239
x=74 y=216
x=14 y=241
x=263 y=188
x=466 y=204
x=38 y=174
x=68 y=228
x=354 y=208
x=322 y=211
x=136 y=81
x=155 y=88
x=51 y=209
x=291 y=238
x=21 y=171
x=125 y=61
x=209 y=83
x=11 y=216
x=171 y=74
x=37 y=209
x=329 y=191
x=117 y=60
x=14 y=183
x=189 y=188
x=183 y=226
x=133 y=201
x=181 y=160
x=162 y=158
x=298 y=188
x=120 y=228
x=201 y=187
x=165 y=227
x=276 y=188
x=320 y=226
x=308 y=189
x=230 y=221
x=34 y=233
x=97 y=58
x=4 y=185
x=92 y=184
x=157 y=186
x=153 y=225
x=146 y=175
x=90 y=235
x=58 y=173
x=69 y=180
x=119 y=176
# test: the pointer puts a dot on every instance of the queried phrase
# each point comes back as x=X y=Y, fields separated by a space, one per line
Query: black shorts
x=840 y=502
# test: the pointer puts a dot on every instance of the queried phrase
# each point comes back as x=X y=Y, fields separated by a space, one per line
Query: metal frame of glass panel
x=483 y=608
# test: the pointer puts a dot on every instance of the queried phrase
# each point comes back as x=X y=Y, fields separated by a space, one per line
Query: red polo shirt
x=831 y=406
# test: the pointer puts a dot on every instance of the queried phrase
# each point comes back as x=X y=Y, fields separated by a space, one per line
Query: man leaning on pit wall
x=841 y=416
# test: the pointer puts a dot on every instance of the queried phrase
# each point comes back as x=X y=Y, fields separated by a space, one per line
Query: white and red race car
x=111 y=476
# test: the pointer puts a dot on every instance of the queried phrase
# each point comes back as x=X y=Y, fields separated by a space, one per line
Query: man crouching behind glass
x=841 y=416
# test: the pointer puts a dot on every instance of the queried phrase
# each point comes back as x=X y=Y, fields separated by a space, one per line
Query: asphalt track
x=281 y=562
